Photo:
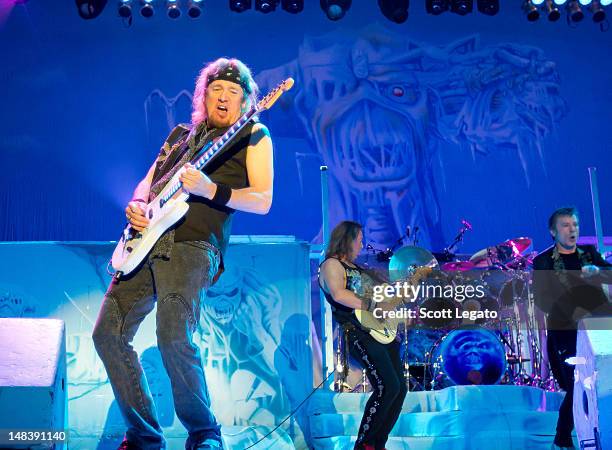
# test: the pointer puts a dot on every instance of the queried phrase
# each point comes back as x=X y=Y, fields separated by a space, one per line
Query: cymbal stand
x=533 y=335
x=522 y=379
x=341 y=363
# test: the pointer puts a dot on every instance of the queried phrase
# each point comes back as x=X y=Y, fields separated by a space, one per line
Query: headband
x=230 y=73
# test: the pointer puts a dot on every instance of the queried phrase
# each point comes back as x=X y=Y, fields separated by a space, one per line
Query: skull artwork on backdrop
x=377 y=106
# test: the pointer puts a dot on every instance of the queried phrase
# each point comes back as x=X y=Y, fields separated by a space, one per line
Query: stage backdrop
x=491 y=119
x=254 y=332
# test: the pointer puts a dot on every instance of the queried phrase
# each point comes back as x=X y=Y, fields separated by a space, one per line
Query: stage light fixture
x=88 y=9
x=574 y=11
x=462 y=7
x=194 y=10
x=265 y=6
x=598 y=14
x=147 y=9
x=488 y=7
x=605 y=2
x=394 y=10
x=560 y=2
x=335 y=9
x=172 y=9
x=125 y=8
x=531 y=11
x=240 y=5
x=537 y=2
x=292 y=6
x=552 y=11
x=436 y=7
x=585 y=2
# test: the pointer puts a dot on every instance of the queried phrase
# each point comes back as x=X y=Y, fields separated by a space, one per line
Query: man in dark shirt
x=567 y=286
x=186 y=259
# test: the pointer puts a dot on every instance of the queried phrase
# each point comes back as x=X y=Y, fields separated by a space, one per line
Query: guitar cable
x=292 y=412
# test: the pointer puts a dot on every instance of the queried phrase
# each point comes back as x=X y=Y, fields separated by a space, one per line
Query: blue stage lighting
x=488 y=7
x=265 y=6
x=461 y=7
x=394 y=10
x=125 y=8
x=239 y=5
x=436 y=7
x=531 y=11
x=194 y=10
x=292 y=6
x=335 y=9
x=147 y=9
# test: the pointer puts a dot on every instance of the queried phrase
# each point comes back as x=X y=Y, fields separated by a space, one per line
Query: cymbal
x=518 y=245
x=407 y=259
x=501 y=253
x=460 y=266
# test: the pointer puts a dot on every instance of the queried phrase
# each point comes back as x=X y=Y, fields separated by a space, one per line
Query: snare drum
x=467 y=356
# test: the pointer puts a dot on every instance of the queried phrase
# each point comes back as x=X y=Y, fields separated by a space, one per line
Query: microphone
x=466 y=224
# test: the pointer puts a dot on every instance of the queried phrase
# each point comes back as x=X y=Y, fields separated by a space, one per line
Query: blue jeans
x=176 y=284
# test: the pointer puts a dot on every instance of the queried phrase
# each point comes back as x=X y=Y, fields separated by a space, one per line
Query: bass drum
x=466 y=356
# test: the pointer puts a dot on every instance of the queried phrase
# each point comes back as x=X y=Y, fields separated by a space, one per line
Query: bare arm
x=334 y=282
x=143 y=188
x=257 y=198
x=134 y=211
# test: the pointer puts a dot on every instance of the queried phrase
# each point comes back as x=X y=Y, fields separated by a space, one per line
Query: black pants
x=384 y=371
x=561 y=345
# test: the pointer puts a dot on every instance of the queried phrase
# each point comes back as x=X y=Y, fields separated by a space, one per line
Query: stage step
x=456 y=398
x=234 y=438
x=476 y=441
x=458 y=417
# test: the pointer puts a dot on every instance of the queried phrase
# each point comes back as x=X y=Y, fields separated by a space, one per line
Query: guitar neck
x=169 y=191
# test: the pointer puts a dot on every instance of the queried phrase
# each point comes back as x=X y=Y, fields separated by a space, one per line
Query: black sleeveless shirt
x=340 y=312
x=205 y=220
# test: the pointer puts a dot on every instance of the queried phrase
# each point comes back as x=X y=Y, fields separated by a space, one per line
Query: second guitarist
x=341 y=281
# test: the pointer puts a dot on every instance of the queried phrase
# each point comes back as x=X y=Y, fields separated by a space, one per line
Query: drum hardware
x=386 y=254
x=448 y=251
x=415 y=373
x=363 y=386
x=341 y=363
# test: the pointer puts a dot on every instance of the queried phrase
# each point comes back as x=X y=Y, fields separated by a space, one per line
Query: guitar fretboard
x=209 y=154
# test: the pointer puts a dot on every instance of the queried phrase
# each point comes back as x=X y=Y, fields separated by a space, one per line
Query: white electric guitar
x=171 y=203
x=385 y=330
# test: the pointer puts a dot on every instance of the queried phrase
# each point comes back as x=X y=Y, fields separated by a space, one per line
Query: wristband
x=371 y=305
x=222 y=195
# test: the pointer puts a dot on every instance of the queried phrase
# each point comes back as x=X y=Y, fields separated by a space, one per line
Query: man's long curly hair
x=199 y=113
x=341 y=239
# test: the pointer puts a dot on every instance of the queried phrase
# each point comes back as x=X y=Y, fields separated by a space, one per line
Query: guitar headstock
x=274 y=94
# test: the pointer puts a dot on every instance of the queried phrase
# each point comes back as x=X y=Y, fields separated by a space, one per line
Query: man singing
x=567 y=286
x=187 y=259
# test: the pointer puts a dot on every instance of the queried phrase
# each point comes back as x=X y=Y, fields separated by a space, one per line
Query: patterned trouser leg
x=383 y=368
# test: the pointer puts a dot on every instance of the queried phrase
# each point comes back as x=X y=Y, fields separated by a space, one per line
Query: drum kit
x=467 y=346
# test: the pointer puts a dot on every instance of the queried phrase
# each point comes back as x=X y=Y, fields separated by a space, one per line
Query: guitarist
x=187 y=259
x=341 y=281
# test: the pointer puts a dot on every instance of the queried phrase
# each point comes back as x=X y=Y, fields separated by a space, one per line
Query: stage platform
x=455 y=418
x=234 y=438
